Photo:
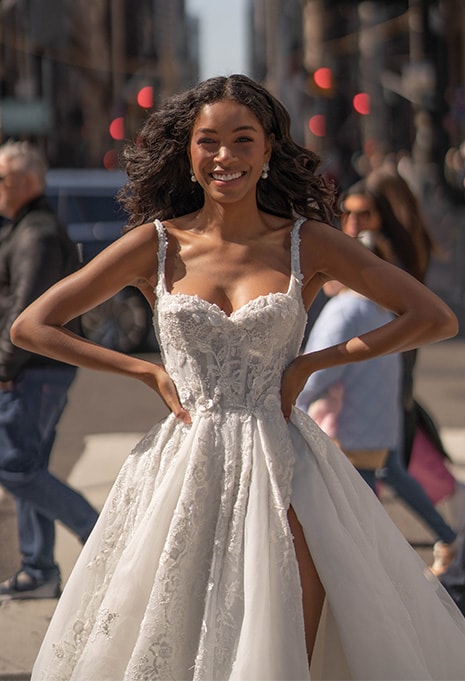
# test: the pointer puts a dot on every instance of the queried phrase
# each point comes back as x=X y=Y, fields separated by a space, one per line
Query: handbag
x=427 y=466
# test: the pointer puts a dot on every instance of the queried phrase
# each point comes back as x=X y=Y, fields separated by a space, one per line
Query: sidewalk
x=23 y=623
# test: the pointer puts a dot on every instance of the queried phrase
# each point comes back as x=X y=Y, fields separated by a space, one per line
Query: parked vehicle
x=85 y=202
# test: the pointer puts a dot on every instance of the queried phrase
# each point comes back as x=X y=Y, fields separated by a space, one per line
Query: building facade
x=363 y=79
x=68 y=68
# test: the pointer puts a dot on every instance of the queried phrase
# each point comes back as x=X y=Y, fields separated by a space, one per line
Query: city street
x=116 y=117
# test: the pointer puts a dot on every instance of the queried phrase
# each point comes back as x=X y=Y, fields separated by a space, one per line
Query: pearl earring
x=193 y=178
x=266 y=167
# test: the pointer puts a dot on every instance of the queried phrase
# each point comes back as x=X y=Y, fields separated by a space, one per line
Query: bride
x=237 y=541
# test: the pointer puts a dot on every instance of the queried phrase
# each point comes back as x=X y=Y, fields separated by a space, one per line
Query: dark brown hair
x=158 y=166
x=400 y=240
x=406 y=207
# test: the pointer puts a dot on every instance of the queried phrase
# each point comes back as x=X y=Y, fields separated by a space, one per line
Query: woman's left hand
x=292 y=383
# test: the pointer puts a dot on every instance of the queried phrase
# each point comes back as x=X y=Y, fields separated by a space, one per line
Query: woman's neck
x=229 y=220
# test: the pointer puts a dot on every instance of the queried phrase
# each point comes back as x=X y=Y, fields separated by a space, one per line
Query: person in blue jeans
x=369 y=206
x=395 y=475
x=35 y=252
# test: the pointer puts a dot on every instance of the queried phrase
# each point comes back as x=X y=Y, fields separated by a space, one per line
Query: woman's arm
x=421 y=316
x=131 y=260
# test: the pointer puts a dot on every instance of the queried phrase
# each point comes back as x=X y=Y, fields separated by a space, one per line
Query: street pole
x=372 y=16
x=422 y=79
x=274 y=50
x=117 y=48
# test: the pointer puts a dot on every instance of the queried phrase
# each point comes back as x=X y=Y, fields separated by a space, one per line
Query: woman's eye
x=205 y=140
x=245 y=139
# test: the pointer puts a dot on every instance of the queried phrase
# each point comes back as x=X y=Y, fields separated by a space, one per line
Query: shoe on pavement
x=23 y=586
x=443 y=555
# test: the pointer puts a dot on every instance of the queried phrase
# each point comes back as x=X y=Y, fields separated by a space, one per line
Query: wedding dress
x=191 y=573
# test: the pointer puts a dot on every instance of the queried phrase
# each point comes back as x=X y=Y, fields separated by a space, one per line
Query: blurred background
x=366 y=82
x=361 y=79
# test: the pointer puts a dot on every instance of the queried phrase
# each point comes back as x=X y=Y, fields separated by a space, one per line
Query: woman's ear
x=269 y=146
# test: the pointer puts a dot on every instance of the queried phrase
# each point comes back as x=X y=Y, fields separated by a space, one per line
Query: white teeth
x=226 y=177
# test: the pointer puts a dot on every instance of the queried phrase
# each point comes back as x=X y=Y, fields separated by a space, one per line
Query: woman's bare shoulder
x=142 y=233
x=136 y=248
x=312 y=229
x=327 y=251
x=141 y=241
x=317 y=237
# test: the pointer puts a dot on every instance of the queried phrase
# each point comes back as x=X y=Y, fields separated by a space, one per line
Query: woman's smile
x=225 y=177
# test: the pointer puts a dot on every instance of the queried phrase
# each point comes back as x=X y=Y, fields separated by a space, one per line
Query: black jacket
x=35 y=252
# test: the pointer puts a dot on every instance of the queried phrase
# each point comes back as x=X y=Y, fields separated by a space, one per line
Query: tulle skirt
x=190 y=572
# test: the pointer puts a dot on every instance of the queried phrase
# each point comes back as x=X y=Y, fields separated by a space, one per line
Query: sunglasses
x=360 y=214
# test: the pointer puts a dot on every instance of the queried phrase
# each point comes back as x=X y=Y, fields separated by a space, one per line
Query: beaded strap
x=295 y=249
x=162 y=247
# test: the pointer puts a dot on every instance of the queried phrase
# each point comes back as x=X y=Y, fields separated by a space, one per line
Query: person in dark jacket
x=35 y=252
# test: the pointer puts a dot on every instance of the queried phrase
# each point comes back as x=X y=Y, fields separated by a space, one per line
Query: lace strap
x=295 y=248
x=162 y=247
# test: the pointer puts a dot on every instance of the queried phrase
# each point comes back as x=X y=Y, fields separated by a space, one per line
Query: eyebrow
x=203 y=131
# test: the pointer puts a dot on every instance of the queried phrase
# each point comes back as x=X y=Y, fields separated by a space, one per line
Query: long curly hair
x=158 y=168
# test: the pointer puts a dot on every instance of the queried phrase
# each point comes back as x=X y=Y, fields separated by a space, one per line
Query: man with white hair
x=35 y=252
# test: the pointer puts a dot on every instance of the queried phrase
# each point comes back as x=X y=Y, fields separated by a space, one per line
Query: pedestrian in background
x=366 y=207
x=449 y=562
x=35 y=252
x=357 y=405
x=404 y=227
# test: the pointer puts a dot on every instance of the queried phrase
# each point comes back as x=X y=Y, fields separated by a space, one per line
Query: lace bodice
x=229 y=361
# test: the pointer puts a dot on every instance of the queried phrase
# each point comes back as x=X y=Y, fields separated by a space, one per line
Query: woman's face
x=359 y=214
x=227 y=150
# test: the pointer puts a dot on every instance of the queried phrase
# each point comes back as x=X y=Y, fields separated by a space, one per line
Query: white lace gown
x=190 y=572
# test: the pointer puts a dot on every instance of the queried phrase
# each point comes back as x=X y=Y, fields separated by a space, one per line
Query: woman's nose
x=223 y=152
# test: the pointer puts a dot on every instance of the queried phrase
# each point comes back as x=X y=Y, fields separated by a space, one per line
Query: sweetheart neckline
x=293 y=277
x=219 y=310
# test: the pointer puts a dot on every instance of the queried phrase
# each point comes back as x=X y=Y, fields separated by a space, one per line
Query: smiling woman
x=236 y=509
